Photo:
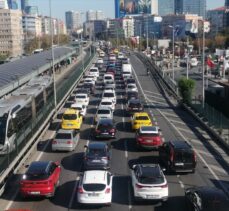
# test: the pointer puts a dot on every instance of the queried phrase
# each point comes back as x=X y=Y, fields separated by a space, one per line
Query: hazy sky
x=60 y=6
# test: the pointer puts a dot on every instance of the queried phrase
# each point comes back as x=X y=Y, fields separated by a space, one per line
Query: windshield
x=3 y=121
x=183 y=156
x=94 y=187
x=105 y=126
x=70 y=116
x=103 y=112
x=108 y=78
x=135 y=104
x=148 y=134
x=151 y=180
x=106 y=103
x=93 y=70
x=108 y=95
x=80 y=97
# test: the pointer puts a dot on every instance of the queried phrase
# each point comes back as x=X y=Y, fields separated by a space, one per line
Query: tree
x=186 y=87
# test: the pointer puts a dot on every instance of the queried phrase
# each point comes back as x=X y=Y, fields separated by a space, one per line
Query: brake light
x=164 y=186
x=171 y=155
x=54 y=142
x=69 y=142
x=194 y=157
x=108 y=190
x=138 y=186
x=80 y=190
x=112 y=130
x=140 y=139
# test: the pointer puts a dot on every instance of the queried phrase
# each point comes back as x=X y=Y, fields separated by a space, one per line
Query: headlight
x=24 y=177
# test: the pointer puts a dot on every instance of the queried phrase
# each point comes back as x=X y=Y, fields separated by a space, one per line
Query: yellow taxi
x=140 y=119
x=115 y=51
x=72 y=119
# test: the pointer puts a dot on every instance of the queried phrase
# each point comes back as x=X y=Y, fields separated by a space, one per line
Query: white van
x=126 y=71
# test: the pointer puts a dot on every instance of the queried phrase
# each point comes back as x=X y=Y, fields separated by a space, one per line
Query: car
x=134 y=105
x=95 y=187
x=130 y=81
x=149 y=182
x=110 y=84
x=108 y=87
x=148 y=137
x=65 y=140
x=107 y=78
x=125 y=60
x=131 y=95
x=140 y=119
x=80 y=107
x=97 y=156
x=91 y=77
x=178 y=156
x=82 y=99
x=103 y=113
x=206 y=199
x=94 y=71
x=107 y=103
x=71 y=119
x=131 y=88
x=110 y=95
x=120 y=55
x=105 y=128
x=40 y=179
x=89 y=87
x=89 y=80
x=81 y=91
x=101 y=54
x=99 y=61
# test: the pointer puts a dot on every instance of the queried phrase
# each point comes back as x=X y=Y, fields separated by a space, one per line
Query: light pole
x=52 y=53
x=173 y=52
x=203 y=63
x=147 y=33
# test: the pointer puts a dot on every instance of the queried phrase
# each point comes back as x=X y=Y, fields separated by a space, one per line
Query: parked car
x=134 y=105
x=148 y=137
x=140 y=119
x=97 y=156
x=178 y=156
x=95 y=187
x=206 y=199
x=105 y=128
x=103 y=113
x=40 y=179
x=65 y=140
x=149 y=182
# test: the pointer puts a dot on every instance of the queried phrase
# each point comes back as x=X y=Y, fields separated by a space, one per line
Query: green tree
x=186 y=87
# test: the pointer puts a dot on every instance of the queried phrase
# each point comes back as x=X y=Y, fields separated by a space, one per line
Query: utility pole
x=203 y=64
x=187 y=72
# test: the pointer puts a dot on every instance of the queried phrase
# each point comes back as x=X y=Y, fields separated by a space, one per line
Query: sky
x=107 y=6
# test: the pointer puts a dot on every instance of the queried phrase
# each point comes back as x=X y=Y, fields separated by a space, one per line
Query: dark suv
x=134 y=105
x=105 y=128
x=178 y=156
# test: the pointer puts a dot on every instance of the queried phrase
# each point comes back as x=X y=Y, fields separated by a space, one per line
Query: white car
x=80 y=107
x=120 y=55
x=94 y=71
x=110 y=84
x=89 y=81
x=107 y=103
x=92 y=77
x=149 y=182
x=110 y=95
x=108 y=78
x=131 y=88
x=104 y=113
x=99 y=61
x=109 y=88
x=82 y=99
x=101 y=54
x=95 y=187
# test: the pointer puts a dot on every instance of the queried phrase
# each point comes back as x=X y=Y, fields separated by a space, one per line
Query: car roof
x=150 y=170
x=179 y=144
x=149 y=129
x=108 y=91
x=106 y=100
x=94 y=176
x=81 y=94
x=134 y=101
x=38 y=167
x=141 y=114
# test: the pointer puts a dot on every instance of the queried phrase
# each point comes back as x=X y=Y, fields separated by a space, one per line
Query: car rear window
x=151 y=180
x=81 y=96
x=108 y=77
x=94 y=187
x=106 y=103
x=63 y=136
x=108 y=95
x=95 y=151
x=126 y=72
x=135 y=104
x=183 y=156
x=105 y=126
x=142 y=118
x=93 y=70
x=148 y=134
x=69 y=116
x=103 y=111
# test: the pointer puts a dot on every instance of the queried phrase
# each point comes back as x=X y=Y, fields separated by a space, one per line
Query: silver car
x=65 y=140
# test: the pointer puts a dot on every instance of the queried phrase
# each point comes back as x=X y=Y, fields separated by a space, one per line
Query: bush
x=186 y=87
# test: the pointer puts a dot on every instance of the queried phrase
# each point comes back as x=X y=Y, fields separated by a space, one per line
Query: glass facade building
x=24 y=4
x=166 y=7
x=13 y=5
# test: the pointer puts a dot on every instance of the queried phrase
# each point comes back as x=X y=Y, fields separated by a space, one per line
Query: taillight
x=138 y=186
x=112 y=130
x=69 y=142
x=97 y=131
x=171 y=155
x=54 y=142
x=140 y=139
x=80 y=190
x=194 y=157
x=164 y=186
x=108 y=190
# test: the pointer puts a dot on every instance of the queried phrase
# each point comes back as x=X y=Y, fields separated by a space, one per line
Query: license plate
x=179 y=164
x=96 y=161
x=105 y=133
x=93 y=194
x=148 y=141
x=35 y=193
x=69 y=124
x=152 y=196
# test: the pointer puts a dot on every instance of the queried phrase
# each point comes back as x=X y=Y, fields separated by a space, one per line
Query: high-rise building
x=11 y=32
x=31 y=10
x=166 y=7
x=99 y=15
x=197 y=7
x=24 y=4
x=73 y=20
x=226 y=15
x=91 y=15
x=4 y=4
x=13 y=4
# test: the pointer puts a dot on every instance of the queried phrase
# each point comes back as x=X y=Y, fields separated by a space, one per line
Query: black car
x=97 y=156
x=105 y=128
x=131 y=95
x=206 y=199
x=89 y=87
x=134 y=105
x=178 y=156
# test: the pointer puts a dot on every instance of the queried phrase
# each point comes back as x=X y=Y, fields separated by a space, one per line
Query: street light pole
x=187 y=72
x=173 y=53
x=52 y=53
x=203 y=64
x=147 y=33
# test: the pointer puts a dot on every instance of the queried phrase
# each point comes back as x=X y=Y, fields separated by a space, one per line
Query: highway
x=175 y=123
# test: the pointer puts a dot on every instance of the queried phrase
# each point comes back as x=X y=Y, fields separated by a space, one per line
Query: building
x=73 y=20
x=24 y=4
x=4 y=4
x=166 y=7
x=95 y=29
x=62 y=27
x=45 y=25
x=115 y=29
x=191 y=7
x=13 y=5
x=90 y=15
x=99 y=15
x=11 y=32
x=128 y=26
x=216 y=19
x=226 y=15
x=31 y=10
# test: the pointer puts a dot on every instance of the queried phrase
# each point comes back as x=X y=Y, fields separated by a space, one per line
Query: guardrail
x=34 y=129
x=172 y=89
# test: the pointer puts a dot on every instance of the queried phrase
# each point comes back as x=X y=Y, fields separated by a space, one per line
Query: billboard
x=132 y=7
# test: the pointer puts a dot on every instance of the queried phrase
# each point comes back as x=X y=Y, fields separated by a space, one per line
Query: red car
x=41 y=179
x=149 y=137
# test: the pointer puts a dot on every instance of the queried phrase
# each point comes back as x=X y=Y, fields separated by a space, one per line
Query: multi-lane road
x=212 y=167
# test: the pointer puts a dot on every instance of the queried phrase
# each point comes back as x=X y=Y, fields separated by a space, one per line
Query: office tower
x=31 y=10
x=13 y=4
x=24 y=4
x=99 y=15
x=165 y=7
x=90 y=15
x=3 y=4
x=226 y=15
x=73 y=20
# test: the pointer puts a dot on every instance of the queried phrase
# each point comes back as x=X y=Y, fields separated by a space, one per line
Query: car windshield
x=3 y=121
x=77 y=108
x=70 y=116
x=126 y=72
x=63 y=136
x=108 y=77
x=80 y=97
x=93 y=70
x=94 y=187
x=108 y=95
x=103 y=111
x=151 y=180
x=37 y=176
x=142 y=118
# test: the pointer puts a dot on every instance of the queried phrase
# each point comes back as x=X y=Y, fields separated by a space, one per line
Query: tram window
x=39 y=101
x=11 y=130
x=23 y=116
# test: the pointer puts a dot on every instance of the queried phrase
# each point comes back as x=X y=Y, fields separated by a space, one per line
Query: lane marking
x=129 y=196
x=197 y=153
x=158 y=98
x=155 y=93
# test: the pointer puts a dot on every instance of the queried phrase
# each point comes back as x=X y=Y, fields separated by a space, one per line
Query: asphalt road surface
x=212 y=167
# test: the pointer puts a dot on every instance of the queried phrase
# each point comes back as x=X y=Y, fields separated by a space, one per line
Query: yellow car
x=140 y=119
x=116 y=51
x=72 y=119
